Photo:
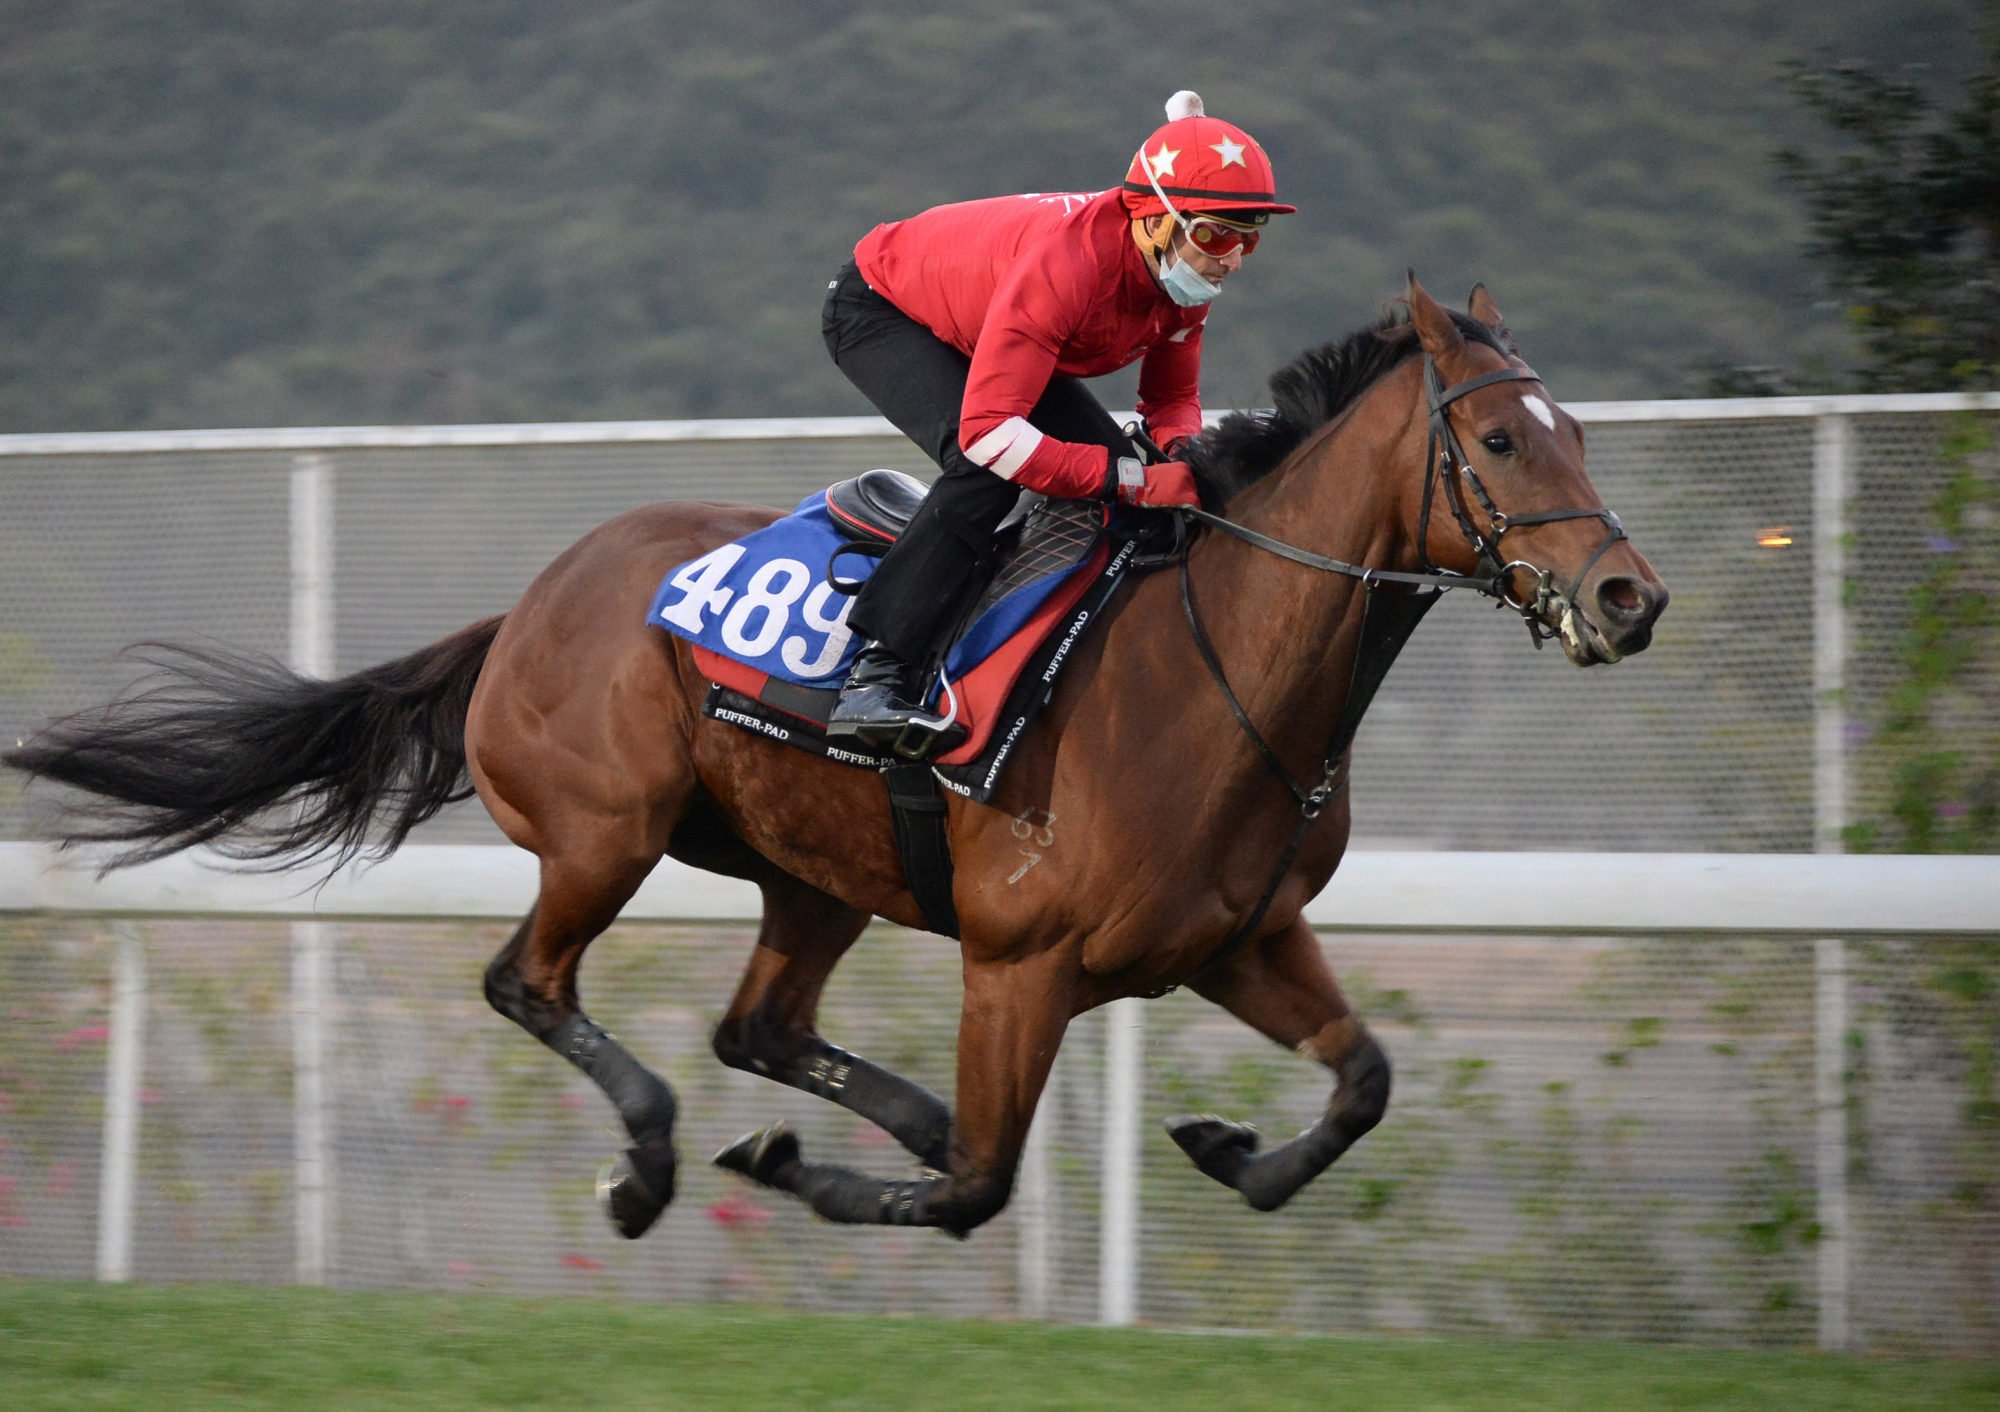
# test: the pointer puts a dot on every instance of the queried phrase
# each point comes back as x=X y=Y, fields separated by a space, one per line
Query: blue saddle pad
x=765 y=600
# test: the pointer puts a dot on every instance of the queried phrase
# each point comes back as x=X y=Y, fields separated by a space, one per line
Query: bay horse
x=1162 y=782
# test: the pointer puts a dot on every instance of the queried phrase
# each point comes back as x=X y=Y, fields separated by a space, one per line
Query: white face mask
x=1185 y=285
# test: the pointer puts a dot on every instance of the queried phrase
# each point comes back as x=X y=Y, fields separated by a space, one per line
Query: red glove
x=1161 y=484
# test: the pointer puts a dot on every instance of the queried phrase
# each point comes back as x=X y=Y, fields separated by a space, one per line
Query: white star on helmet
x=1163 y=160
x=1231 y=153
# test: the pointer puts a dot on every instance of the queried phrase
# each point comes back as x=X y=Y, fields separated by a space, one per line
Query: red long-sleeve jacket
x=1030 y=287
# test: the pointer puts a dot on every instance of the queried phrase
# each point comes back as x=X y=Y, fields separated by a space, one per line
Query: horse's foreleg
x=770 y=1025
x=1009 y=1030
x=1284 y=988
x=533 y=983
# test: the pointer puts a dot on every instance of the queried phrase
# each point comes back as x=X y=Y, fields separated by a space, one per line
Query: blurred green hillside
x=268 y=212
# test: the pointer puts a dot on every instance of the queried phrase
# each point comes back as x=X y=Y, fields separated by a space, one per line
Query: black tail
x=243 y=753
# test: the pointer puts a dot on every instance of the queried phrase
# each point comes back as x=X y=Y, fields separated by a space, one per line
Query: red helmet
x=1202 y=164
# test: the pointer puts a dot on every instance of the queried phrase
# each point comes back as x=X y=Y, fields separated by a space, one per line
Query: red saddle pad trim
x=983 y=691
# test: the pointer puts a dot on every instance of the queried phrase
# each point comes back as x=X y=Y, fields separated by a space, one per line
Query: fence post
x=124 y=1063
x=1118 y=1233
x=1037 y=1210
x=1832 y=489
x=312 y=654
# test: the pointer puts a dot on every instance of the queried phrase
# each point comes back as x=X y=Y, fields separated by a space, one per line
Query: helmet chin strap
x=1173 y=216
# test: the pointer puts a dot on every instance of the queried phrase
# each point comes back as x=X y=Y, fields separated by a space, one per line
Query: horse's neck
x=1345 y=494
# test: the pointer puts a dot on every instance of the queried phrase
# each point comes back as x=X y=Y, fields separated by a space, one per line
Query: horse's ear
x=1434 y=326
x=1482 y=308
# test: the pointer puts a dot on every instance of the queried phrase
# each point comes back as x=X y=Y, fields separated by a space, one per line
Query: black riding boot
x=879 y=700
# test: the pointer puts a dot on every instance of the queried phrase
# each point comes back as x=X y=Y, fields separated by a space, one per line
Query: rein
x=1446 y=462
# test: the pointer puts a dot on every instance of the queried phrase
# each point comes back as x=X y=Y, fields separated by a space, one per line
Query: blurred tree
x=274 y=212
x=1906 y=220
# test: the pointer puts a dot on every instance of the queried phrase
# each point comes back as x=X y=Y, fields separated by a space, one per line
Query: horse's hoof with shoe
x=762 y=1155
x=636 y=1186
x=1215 y=1145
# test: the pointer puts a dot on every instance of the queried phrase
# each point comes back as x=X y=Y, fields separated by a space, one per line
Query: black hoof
x=1217 y=1146
x=635 y=1187
x=763 y=1155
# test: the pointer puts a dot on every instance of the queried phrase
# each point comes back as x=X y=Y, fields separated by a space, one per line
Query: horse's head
x=1505 y=494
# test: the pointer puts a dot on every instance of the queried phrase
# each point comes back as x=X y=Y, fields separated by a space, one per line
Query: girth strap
x=918 y=808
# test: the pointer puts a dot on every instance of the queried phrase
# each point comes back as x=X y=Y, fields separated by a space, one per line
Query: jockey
x=969 y=327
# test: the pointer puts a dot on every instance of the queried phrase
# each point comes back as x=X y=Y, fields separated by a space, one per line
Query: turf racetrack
x=167 y=1347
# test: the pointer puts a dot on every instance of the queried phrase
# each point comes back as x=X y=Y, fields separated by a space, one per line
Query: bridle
x=1445 y=463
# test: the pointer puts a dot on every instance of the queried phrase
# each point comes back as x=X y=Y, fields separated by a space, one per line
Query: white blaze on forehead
x=1540 y=409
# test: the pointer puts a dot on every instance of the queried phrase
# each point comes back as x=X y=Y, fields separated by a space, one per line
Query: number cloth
x=763 y=600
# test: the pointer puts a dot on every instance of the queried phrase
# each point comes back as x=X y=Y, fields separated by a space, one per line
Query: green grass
x=88 y=1346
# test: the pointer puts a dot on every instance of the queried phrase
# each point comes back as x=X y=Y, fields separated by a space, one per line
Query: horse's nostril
x=1623 y=600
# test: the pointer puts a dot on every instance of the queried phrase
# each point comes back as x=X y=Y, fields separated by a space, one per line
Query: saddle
x=876 y=504
x=1037 y=538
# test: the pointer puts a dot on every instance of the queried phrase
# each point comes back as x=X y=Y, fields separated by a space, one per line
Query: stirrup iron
x=923 y=736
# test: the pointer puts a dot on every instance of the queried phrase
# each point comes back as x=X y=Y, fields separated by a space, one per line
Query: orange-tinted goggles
x=1219 y=238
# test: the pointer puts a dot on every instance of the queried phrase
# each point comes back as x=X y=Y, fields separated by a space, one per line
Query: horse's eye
x=1498 y=442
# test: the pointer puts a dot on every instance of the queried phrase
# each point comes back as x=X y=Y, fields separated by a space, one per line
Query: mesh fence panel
x=1705 y=743
x=101 y=552
x=54 y=1020
x=1571 y=1151
x=1596 y=1138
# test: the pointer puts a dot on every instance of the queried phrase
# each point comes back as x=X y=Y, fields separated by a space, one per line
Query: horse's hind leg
x=533 y=983
x=770 y=1025
x=1283 y=987
x=1009 y=1029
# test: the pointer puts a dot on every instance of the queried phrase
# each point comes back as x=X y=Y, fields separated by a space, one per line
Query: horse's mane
x=1308 y=393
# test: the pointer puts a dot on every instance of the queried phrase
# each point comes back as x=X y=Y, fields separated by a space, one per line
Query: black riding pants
x=917 y=380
